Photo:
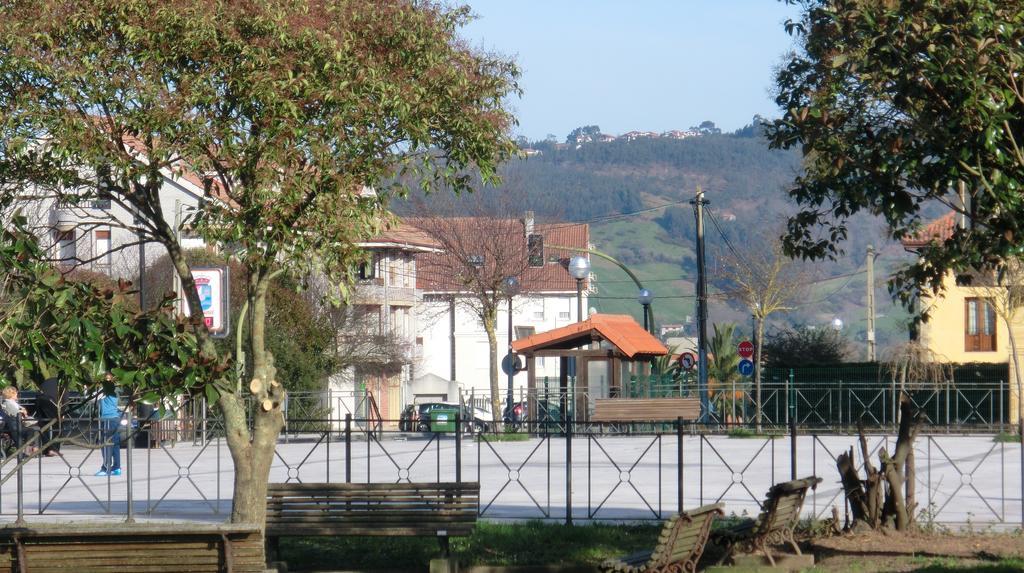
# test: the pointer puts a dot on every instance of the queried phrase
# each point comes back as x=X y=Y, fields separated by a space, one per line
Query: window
x=66 y=246
x=367 y=270
x=979 y=325
x=101 y=247
x=475 y=260
x=564 y=315
x=524 y=331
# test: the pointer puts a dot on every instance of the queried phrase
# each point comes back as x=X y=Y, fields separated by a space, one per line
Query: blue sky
x=645 y=65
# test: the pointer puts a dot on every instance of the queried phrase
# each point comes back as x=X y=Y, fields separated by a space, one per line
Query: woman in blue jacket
x=110 y=426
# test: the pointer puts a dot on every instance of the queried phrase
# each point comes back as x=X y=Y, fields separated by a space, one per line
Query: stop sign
x=746 y=349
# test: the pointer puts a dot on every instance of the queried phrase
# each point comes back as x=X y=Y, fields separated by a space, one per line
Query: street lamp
x=837 y=323
x=579 y=268
x=645 y=298
x=510 y=286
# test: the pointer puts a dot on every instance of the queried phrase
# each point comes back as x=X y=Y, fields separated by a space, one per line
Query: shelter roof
x=620 y=330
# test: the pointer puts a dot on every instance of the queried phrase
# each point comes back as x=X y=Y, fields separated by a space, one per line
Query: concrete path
x=961 y=480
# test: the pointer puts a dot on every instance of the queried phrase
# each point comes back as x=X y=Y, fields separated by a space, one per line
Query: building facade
x=452 y=342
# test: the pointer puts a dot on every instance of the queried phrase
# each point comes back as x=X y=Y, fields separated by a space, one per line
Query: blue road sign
x=746 y=367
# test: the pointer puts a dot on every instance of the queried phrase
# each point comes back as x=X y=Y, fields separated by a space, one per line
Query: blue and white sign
x=746 y=367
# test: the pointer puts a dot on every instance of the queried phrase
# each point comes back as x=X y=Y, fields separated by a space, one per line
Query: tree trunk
x=1016 y=372
x=759 y=322
x=254 y=457
x=490 y=322
x=886 y=495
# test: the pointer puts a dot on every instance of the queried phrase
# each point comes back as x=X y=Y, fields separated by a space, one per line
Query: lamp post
x=837 y=323
x=645 y=298
x=510 y=286
x=579 y=268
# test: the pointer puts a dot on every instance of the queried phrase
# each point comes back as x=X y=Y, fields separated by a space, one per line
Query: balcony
x=375 y=294
x=65 y=215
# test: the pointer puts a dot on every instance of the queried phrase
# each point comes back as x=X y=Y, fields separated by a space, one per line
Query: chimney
x=528 y=223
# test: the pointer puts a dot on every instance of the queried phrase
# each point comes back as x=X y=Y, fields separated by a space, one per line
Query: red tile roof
x=402 y=234
x=433 y=269
x=618 y=329
x=937 y=231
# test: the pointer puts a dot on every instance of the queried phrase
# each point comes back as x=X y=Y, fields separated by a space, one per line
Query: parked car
x=416 y=417
x=520 y=411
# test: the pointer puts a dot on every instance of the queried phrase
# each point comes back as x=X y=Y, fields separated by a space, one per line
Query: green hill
x=635 y=195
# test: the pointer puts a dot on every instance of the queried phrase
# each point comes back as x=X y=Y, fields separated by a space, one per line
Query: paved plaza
x=961 y=479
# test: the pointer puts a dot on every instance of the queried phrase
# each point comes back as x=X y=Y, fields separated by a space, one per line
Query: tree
x=766 y=282
x=478 y=254
x=897 y=107
x=75 y=331
x=583 y=134
x=286 y=112
x=707 y=127
x=804 y=345
x=723 y=362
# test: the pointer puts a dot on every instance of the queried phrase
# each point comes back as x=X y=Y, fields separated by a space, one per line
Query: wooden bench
x=440 y=510
x=645 y=409
x=680 y=544
x=139 y=547
x=780 y=513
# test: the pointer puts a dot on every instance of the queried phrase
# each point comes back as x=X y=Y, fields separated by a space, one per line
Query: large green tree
x=77 y=331
x=282 y=109
x=901 y=105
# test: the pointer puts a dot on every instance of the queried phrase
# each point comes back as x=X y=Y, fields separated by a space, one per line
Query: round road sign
x=745 y=367
x=687 y=360
x=746 y=349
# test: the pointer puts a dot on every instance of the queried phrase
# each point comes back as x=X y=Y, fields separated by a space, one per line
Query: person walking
x=47 y=411
x=110 y=432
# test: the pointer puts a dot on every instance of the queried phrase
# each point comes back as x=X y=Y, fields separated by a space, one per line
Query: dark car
x=416 y=417
x=520 y=411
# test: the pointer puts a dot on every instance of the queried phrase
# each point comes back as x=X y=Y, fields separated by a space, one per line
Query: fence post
x=1001 y=418
x=568 y=469
x=348 y=447
x=679 y=457
x=130 y=518
x=458 y=448
x=792 y=428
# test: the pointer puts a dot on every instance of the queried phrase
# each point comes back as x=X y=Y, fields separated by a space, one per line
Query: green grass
x=1008 y=437
x=499 y=544
x=506 y=437
x=949 y=565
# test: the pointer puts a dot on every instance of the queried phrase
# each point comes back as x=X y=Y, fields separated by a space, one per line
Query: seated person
x=15 y=416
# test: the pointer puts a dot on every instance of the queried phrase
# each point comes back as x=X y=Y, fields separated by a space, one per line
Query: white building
x=452 y=342
x=99 y=235
x=383 y=331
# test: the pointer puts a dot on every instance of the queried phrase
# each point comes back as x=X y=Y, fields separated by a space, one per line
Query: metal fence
x=564 y=471
x=963 y=406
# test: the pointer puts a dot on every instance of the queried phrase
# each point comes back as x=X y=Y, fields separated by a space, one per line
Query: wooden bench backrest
x=372 y=509
x=146 y=549
x=645 y=409
x=683 y=534
x=782 y=506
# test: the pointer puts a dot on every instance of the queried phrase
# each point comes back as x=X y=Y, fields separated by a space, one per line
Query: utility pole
x=702 y=310
x=871 y=303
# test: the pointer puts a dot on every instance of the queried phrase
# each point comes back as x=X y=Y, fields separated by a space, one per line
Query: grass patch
x=500 y=544
x=950 y=565
x=743 y=433
x=1008 y=437
x=506 y=437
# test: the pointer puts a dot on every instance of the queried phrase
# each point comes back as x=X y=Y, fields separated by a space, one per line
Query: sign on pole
x=687 y=360
x=746 y=367
x=212 y=286
x=746 y=349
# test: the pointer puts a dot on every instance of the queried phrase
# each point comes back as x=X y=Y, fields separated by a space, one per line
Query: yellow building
x=965 y=323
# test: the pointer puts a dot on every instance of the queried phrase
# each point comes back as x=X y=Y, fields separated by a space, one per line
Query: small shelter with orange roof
x=607 y=347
